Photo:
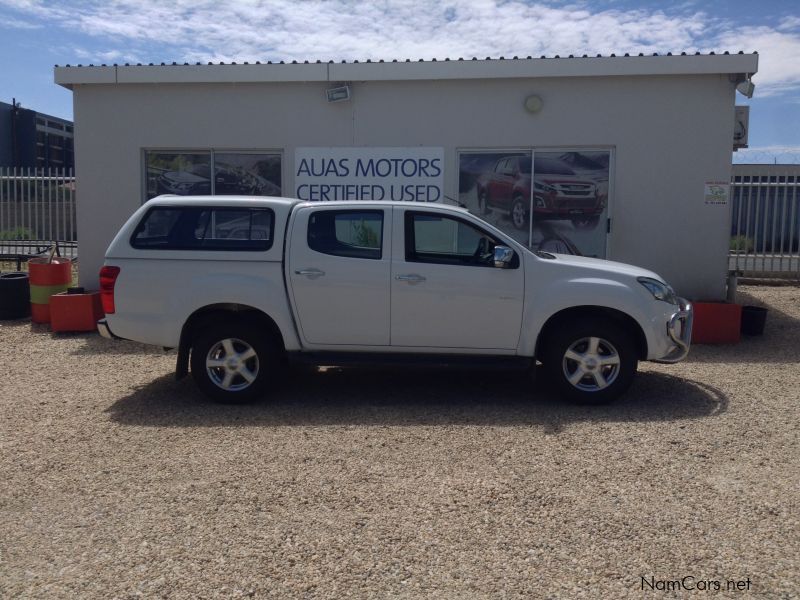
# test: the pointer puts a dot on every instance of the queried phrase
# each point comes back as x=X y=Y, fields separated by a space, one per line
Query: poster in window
x=553 y=201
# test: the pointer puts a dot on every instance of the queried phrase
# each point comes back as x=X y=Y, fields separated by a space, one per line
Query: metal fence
x=765 y=221
x=37 y=204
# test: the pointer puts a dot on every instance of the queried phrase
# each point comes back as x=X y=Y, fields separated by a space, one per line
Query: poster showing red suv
x=554 y=201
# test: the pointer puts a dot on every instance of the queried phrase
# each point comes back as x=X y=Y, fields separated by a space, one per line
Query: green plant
x=17 y=233
x=741 y=243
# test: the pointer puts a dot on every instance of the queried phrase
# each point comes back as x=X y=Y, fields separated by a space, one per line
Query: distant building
x=30 y=139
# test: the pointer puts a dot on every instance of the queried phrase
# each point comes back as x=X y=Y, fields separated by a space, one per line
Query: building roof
x=489 y=68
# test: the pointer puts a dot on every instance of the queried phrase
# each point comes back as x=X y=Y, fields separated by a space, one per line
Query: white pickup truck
x=239 y=285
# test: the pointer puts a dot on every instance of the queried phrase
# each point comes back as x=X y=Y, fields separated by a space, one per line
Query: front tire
x=233 y=361
x=590 y=361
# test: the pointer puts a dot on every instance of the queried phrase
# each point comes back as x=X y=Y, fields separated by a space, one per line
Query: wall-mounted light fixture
x=338 y=94
x=533 y=104
x=746 y=88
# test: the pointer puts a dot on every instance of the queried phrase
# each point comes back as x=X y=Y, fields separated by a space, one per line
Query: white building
x=631 y=156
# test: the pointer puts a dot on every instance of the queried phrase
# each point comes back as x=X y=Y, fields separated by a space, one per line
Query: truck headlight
x=660 y=291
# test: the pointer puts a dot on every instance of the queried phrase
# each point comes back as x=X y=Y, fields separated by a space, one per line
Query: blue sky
x=36 y=34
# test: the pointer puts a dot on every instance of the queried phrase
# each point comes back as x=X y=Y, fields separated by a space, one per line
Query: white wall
x=670 y=133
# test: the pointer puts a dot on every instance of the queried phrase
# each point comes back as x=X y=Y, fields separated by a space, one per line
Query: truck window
x=350 y=233
x=204 y=228
x=446 y=240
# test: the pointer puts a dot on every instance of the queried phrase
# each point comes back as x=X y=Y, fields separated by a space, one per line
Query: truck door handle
x=310 y=273
x=411 y=278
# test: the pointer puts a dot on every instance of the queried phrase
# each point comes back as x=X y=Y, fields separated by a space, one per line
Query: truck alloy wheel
x=232 y=364
x=590 y=360
x=232 y=361
x=591 y=364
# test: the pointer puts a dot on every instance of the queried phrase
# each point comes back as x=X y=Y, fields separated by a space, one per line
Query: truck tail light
x=108 y=277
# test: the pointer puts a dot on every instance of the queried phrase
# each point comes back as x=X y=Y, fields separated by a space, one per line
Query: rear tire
x=590 y=361
x=234 y=361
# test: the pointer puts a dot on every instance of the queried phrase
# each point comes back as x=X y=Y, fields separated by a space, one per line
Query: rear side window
x=205 y=228
x=350 y=233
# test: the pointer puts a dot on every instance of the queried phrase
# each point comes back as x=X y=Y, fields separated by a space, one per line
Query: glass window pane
x=350 y=233
x=448 y=241
x=193 y=228
x=247 y=174
x=155 y=229
x=180 y=173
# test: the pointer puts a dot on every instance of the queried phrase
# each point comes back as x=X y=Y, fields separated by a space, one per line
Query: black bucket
x=15 y=296
x=753 y=320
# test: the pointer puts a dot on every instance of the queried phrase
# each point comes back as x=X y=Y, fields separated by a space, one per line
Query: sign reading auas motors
x=347 y=173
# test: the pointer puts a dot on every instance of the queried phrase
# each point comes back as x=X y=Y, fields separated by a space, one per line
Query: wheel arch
x=212 y=313
x=590 y=311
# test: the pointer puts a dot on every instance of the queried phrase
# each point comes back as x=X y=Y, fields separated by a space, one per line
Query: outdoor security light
x=338 y=94
x=746 y=88
x=533 y=104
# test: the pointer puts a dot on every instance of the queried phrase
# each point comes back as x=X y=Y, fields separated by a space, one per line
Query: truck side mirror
x=503 y=255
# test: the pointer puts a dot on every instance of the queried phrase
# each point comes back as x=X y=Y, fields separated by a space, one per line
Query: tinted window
x=445 y=240
x=350 y=233
x=205 y=228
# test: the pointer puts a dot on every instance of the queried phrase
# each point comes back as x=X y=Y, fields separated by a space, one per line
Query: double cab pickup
x=241 y=284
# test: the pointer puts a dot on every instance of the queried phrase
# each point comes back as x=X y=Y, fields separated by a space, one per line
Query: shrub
x=741 y=243
x=17 y=233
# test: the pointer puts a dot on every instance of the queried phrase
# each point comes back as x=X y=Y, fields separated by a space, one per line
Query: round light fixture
x=533 y=104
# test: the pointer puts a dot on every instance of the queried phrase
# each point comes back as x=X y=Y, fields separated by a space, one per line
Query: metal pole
x=747 y=222
x=783 y=221
x=792 y=224
x=50 y=202
x=764 y=223
x=72 y=205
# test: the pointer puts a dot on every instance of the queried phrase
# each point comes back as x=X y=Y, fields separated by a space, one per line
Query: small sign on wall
x=717 y=192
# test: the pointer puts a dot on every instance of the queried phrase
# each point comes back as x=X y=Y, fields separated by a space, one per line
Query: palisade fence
x=765 y=221
x=37 y=204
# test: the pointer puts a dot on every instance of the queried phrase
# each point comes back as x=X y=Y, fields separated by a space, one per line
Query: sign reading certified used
x=346 y=173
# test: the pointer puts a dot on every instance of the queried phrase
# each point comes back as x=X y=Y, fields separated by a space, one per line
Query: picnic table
x=24 y=250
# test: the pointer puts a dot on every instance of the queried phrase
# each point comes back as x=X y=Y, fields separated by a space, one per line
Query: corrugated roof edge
x=460 y=68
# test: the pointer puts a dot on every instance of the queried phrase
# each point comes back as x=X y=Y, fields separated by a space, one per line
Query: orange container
x=46 y=279
x=716 y=323
x=75 y=312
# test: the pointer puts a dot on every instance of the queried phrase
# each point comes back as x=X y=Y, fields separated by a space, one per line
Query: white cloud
x=7 y=22
x=249 y=30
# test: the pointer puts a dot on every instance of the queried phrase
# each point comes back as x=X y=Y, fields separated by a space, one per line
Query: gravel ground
x=120 y=482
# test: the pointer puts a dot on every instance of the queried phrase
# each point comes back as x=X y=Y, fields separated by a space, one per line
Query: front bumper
x=679 y=330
